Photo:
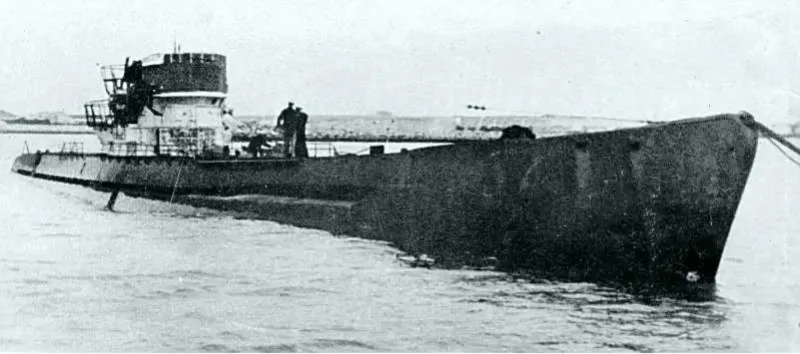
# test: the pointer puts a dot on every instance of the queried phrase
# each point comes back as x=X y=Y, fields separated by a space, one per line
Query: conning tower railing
x=98 y=114
x=112 y=79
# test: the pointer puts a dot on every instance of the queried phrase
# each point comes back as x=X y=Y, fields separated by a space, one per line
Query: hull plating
x=647 y=204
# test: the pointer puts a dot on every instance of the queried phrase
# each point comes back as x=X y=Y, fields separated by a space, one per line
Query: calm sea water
x=161 y=277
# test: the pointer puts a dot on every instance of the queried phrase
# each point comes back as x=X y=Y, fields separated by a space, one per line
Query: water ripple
x=285 y=291
x=276 y=348
x=340 y=344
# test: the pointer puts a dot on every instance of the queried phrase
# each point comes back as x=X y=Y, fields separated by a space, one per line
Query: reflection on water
x=627 y=321
x=161 y=277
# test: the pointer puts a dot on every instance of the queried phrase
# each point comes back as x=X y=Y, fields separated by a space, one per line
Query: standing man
x=301 y=118
x=227 y=132
x=227 y=138
x=286 y=122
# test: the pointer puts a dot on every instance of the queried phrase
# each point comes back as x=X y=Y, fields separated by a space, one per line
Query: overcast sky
x=621 y=58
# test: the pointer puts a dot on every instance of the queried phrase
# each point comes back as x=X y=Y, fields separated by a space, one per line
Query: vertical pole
x=175 y=187
x=112 y=200
x=158 y=142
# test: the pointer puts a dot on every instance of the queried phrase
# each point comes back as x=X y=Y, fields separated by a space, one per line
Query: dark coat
x=287 y=119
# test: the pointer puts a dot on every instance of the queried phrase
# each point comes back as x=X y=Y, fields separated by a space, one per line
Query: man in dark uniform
x=286 y=122
x=300 y=149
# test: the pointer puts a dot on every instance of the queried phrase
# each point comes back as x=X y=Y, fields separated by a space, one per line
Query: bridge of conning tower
x=180 y=72
x=169 y=78
x=185 y=72
x=162 y=100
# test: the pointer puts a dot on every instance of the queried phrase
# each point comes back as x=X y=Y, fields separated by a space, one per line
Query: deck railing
x=317 y=147
x=191 y=150
x=139 y=149
x=72 y=147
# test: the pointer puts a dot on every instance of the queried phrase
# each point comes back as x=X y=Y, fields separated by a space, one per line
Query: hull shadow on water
x=619 y=317
x=649 y=293
x=646 y=294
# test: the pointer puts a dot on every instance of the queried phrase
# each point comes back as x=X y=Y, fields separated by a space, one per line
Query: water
x=160 y=277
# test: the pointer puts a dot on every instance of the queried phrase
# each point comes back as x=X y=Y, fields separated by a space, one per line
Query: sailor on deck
x=256 y=144
x=300 y=148
x=286 y=122
x=224 y=136
x=227 y=138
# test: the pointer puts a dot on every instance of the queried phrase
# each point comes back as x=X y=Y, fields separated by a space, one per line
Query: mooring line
x=783 y=151
x=772 y=136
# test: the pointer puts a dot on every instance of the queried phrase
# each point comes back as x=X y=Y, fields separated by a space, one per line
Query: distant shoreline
x=52 y=132
x=53 y=129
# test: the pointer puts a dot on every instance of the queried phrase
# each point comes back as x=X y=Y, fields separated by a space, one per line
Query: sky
x=637 y=59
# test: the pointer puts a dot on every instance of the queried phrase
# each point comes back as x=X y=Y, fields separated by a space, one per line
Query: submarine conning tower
x=160 y=102
x=184 y=72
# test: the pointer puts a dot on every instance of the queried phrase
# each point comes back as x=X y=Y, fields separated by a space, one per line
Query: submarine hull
x=652 y=204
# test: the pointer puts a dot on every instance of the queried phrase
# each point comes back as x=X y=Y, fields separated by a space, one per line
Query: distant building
x=57 y=117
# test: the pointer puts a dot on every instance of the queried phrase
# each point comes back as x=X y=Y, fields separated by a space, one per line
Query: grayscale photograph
x=399 y=176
